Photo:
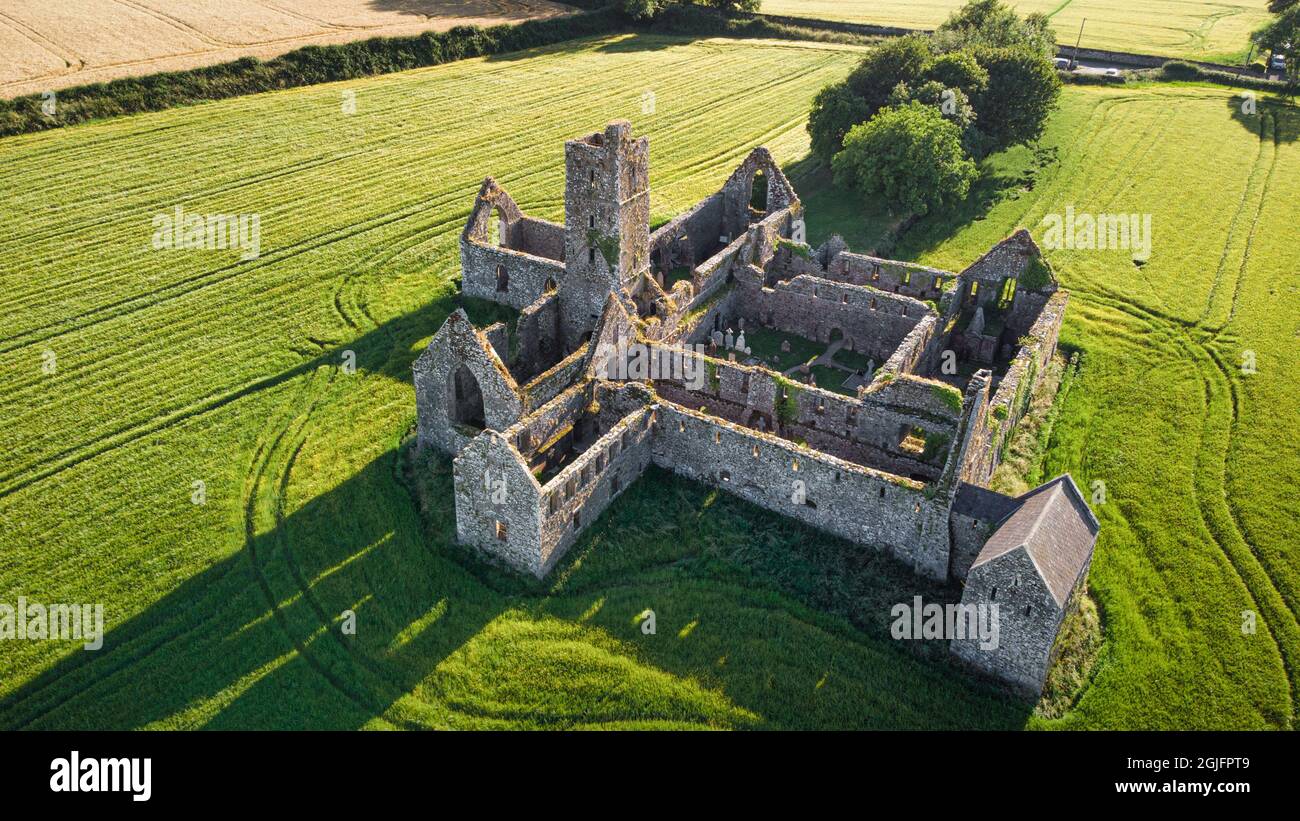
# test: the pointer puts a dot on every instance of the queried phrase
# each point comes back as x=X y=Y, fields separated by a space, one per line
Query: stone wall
x=576 y=496
x=1016 y=388
x=497 y=507
x=975 y=514
x=868 y=430
x=525 y=277
x=1028 y=621
x=606 y=221
x=872 y=322
x=917 y=350
x=538 y=237
x=737 y=191
x=458 y=344
x=550 y=383
x=864 y=506
x=498 y=336
x=539 y=342
x=906 y=278
x=689 y=238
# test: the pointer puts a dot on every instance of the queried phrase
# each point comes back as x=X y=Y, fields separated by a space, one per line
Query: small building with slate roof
x=1030 y=571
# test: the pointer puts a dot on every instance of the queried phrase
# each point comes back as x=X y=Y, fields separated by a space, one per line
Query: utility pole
x=1075 y=62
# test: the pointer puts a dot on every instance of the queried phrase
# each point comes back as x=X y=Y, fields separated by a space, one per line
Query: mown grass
x=1198 y=480
x=174 y=367
x=1200 y=29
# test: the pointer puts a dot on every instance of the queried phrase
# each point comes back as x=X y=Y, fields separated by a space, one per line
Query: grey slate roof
x=981 y=503
x=1053 y=525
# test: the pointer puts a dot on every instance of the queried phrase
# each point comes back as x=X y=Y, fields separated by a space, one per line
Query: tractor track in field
x=214 y=277
x=70 y=457
x=1210 y=481
x=119 y=663
x=261 y=475
x=1201 y=350
x=1224 y=530
x=144 y=212
x=196 y=283
x=267 y=487
x=1264 y=145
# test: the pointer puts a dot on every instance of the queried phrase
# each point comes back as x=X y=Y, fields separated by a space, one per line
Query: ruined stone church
x=547 y=427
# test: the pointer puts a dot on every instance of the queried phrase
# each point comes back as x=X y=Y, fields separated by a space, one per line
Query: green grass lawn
x=175 y=367
x=1199 y=478
x=1200 y=29
x=765 y=344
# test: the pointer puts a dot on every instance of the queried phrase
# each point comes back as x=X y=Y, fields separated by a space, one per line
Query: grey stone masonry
x=626 y=353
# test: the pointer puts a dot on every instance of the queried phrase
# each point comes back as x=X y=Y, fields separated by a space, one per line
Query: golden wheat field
x=1200 y=29
x=48 y=46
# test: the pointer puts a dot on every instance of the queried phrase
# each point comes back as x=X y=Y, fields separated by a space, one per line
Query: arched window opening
x=758 y=192
x=466 y=399
x=497 y=228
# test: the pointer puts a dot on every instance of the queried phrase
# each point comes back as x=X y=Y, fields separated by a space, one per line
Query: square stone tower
x=606 y=222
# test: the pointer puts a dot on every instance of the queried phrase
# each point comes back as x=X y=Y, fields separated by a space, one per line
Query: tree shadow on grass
x=871 y=229
x=1270 y=118
x=1001 y=178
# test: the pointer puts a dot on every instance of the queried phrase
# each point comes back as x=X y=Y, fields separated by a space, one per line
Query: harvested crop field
x=48 y=46
x=185 y=445
x=1198 y=29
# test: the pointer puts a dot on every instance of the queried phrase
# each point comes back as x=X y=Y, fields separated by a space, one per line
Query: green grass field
x=173 y=367
x=1200 y=29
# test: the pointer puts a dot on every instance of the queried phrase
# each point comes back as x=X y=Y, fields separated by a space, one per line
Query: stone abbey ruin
x=630 y=350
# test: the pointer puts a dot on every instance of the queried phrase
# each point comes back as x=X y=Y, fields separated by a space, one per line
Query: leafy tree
x=730 y=5
x=993 y=24
x=952 y=103
x=909 y=156
x=645 y=9
x=641 y=9
x=960 y=70
x=1279 y=6
x=1282 y=35
x=835 y=110
x=1023 y=90
x=840 y=106
x=892 y=62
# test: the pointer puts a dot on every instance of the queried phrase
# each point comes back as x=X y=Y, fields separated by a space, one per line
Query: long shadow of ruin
x=731 y=607
x=217 y=640
x=254 y=638
x=254 y=641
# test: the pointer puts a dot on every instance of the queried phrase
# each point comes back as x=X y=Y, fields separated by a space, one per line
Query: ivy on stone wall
x=936 y=445
x=1037 y=275
x=948 y=395
x=607 y=246
x=787 y=409
x=799 y=248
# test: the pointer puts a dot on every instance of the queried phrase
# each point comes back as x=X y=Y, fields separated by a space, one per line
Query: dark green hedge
x=1182 y=70
x=380 y=55
x=304 y=66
